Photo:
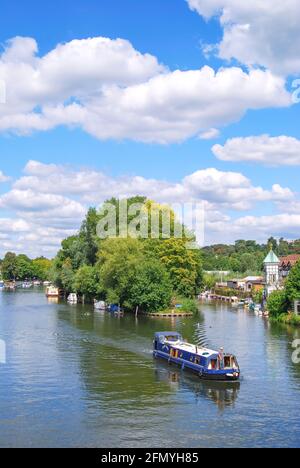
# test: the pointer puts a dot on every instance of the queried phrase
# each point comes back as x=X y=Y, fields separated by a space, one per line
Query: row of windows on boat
x=214 y=363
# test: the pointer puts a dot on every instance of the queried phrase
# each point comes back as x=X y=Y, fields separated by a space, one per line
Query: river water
x=74 y=377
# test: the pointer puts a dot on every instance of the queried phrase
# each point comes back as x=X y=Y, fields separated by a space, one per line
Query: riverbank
x=170 y=314
x=287 y=319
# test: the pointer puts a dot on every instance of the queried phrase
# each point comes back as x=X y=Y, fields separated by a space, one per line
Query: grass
x=288 y=319
x=188 y=306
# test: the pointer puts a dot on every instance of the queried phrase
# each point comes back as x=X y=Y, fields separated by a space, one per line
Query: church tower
x=271 y=267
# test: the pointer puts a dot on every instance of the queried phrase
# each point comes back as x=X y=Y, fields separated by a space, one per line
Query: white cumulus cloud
x=257 y=32
x=112 y=91
x=48 y=203
x=263 y=149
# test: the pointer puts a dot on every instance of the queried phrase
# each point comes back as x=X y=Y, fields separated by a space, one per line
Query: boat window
x=235 y=363
x=197 y=360
x=174 y=353
x=214 y=364
x=227 y=362
x=173 y=338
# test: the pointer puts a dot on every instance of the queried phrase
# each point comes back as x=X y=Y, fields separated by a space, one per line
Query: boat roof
x=191 y=348
x=184 y=346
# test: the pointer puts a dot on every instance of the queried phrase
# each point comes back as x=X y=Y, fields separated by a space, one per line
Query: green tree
x=72 y=248
x=24 y=267
x=183 y=265
x=41 y=268
x=272 y=242
x=209 y=282
x=292 y=286
x=248 y=262
x=67 y=276
x=277 y=304
x=152 y=289
x=9 y=266
x=88 y=236
x=118 y=262
x=86 y=281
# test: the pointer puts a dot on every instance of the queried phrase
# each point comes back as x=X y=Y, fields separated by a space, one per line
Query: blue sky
x=144 y=105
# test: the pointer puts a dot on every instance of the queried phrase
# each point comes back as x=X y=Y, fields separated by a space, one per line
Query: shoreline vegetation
x=161 y=276
x=281 y=303
x=287 y=319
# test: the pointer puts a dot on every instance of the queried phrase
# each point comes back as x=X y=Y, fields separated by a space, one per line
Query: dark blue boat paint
x=197 y=363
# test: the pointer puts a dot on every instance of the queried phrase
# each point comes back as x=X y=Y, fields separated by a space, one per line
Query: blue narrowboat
x=206 y=363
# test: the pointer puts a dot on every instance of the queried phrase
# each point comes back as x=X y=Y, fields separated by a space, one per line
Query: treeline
x=20 y=268
x=280 y=303
x=245 y=256
x=137 y=273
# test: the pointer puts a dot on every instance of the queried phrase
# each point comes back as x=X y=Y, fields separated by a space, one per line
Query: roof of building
x=271 y=258
x=236 y=280
x=289 y=259
x=253 y=279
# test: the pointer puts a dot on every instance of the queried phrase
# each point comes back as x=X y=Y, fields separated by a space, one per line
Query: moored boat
x=51 y=291
x=100 y=305
x=72 y=298
x=206 y=363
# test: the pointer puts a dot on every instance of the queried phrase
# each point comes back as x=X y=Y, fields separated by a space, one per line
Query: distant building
x=286 y=264
x=297 y=307
x=254 y=284
x=272 y=276
x=236 y=284
x=250 y=284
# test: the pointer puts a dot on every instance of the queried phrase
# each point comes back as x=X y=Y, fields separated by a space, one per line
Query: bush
x=289 y=319
x=292 y=285
x=189 y=305
x=227 y=292
x=277 y=304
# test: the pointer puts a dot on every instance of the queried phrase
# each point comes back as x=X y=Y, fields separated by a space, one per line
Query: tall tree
x=152 y=288
x=9 y=266
x=183 y=265
x=119 y=260
x=292 y=286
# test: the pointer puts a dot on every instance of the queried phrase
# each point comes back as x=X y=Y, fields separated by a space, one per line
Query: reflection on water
x=76 y=377
x=223 y=394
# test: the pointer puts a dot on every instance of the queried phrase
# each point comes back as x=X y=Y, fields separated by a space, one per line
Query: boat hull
x=201 y=372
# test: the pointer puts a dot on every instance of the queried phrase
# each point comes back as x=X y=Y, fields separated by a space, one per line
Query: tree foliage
x=292 y=286
x=139 y=271
x=152 y=288
x=245 y=255
x=86 y=281
x=277 y=303
x=20 y=267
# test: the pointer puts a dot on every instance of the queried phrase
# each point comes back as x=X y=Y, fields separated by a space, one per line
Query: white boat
x=100 y=305
x=51 y=291
x=26 y=285
x=47 y=283
x=72 y=298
